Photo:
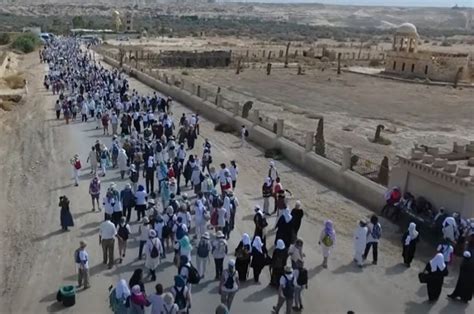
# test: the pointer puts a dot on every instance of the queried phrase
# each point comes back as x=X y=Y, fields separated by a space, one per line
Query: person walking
x=243 y=136
x=284 y=227
x=153 y=252
x=234 y=173
x=296 y=253
x=435 y=271
x=92 y=159
x=94 y=191
x=137 y=279
x=138 y=301
x=360 y=242
x=169 y=307
x=286 y=291
x=119 y=298
x=297 y=214
x=156 y=300
x=76 y=167
x=149 y=175
x=82 y=262
x=65 y=216
x=107 y=233
x=259 y=258
x=267 y=193
x=181 y=294
x=260 y=222
x=465 y=284
x=219 y=252
x=409 y=240
x=327 y=239
x=128 y=201
x=279 y=258
x=373 y=237
x=229 y=284
x=122 y=161
x=204 y=249
x=143 y=231
x=141 y=197
x=300 y=280
x=123 y=233
x=242 y=257
x=134 y=177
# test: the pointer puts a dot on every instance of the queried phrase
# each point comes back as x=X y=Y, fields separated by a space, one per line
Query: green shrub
x=4 y=39
x=26 y=43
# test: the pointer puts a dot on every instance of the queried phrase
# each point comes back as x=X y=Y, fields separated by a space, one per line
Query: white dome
x=407 y=29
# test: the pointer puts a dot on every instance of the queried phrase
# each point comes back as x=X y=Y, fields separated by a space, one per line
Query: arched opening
x=394 y=65
x=412 y=68
x=403 y=66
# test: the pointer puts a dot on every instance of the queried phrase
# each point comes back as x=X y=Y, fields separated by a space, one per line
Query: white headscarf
x=412 y=233
x=437 y=263
x=280 y=244
x=287 y=215
x=245 y=239
x=268 y=181
x=257 y=244
x=450 y=221
x=122 y=290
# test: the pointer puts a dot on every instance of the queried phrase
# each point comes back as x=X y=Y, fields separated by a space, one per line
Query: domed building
x=406 y=60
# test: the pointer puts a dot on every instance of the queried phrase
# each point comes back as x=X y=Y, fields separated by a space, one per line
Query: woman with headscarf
x=259 y=257
x=410 y=239
x=327 y=240
x=200 y=218
x=169 y=306
x=435 y=270
x=122 y=161
x=138 y=301
x=153 y=252
x=149 y=174
x=285 y=227
x=280 y=255
x=118 y=298
x=141 y=198
x=450 y=230
x=465 y=284
x=267 y=192
x=65 y=216
x=137 y=279
x=297 y=214
x=260 y=222
x=188 y=169
x=242 y=257
x=185 y=247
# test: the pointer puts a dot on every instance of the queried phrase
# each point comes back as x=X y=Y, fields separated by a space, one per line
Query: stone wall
x=187 y=59
x=351 y=184
x=426 y=65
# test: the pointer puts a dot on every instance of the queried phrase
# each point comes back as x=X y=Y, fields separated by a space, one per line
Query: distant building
x=34 y=30
x=129 y=22
x=406 y=60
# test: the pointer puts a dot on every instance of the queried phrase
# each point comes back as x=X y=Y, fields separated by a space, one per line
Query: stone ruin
x=444 y=179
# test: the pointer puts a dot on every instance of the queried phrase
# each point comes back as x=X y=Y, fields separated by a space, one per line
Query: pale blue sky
x=404 y=3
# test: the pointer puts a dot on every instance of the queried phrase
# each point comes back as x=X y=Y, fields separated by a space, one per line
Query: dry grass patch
x=15 y=81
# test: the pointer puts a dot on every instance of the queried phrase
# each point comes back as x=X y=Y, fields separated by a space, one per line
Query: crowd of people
x=191 y=230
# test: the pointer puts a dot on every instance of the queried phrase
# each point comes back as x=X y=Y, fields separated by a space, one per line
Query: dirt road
x=38 y=258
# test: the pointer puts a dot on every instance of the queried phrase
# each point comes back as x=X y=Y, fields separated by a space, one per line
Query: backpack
x=103 y=155
x=159 y=147
x=229 y=282
x=289 y=289
x=77 y=164
x=134 y=176
x=115 y=150
x=327 y=240
x=302 y=279
x=94 y=187
x=246 y=133
x=180 y=233
x=376 y=232
x=179 y=298
x=123 y=232
x=193 y=275
x=168 y=227
x=168 y=311
x=77 y=257
x=154 y=251
x=203 y=249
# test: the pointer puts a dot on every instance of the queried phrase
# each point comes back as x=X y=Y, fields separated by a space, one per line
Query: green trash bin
x=67 y=295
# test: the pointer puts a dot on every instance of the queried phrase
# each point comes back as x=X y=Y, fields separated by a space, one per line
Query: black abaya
x=285 y=231
x=435 y=282
x=409 y=250
x=242 y=260
x=258 y=262
x=277 y=267
x=465 y=284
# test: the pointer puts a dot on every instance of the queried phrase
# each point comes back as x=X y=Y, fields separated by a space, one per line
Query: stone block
x=346 y=158
x=470 y=162
x=428 y=159
x=440 y=163
x=463 y=172
x=470 y=147
x=458 y=148
x=417 y=155
x=433 y=151
x=280 y=125
x=450 y=168
x=309 y=141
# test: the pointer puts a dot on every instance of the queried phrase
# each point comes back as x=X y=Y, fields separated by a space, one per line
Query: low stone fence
x=351 y=184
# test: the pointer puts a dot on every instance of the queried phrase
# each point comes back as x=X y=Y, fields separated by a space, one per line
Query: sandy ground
x=35 y=153
x=411 y=113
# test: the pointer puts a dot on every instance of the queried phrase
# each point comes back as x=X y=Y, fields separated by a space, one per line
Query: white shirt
x=222 y=177
x=107 y=230
x=156 y=304
x=111 y=205
x=141 y=197
x=84 y=257
x=143 y=230
x=234 y=172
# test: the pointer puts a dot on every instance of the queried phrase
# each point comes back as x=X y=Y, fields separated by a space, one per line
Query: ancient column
x=198 y=92
x=280 y=125
x=309 y=141
x=286 y=53
x=382 y=177
x=269 y=68
x=320 y=145
x=346 y=158
x=238 y=66
x=339 y=63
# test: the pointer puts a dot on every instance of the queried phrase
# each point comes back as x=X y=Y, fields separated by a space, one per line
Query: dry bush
x=7 y=105
x=226 y=128
x=15 y=81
